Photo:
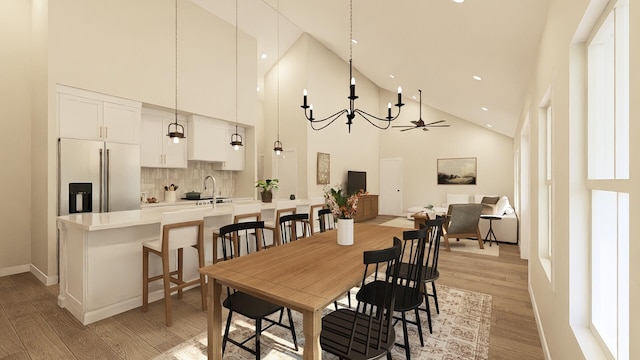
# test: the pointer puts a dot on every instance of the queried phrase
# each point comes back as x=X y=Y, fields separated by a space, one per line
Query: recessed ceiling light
x=392 y=76
x=414 y=97
x=476 y=77
x=458 y=1
x=264 y=56
x=354 y=41
x=258 y=89
x=485 y=109
x=489 y=125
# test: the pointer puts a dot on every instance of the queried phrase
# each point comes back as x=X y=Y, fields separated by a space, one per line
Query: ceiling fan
x=420 y=123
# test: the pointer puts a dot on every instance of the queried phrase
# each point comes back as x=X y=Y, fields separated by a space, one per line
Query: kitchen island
x=101 y=257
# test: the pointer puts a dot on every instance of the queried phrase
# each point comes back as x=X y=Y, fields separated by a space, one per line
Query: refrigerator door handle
x=107 y=197
x=101 y=181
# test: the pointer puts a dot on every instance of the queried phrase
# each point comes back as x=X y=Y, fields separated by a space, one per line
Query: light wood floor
x=32 y=326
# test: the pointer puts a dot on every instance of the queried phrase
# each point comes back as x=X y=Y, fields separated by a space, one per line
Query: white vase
x=170 y=196
x=345 y=231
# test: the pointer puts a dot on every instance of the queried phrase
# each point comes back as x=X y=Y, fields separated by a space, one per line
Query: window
x=545 y=245
x=608 y=168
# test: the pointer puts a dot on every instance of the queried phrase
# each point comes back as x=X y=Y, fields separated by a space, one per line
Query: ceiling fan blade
x=411 y=128
x=443 y=125
x=436 y=122
x=403 y=126
x=415 y=122
x=425 y=129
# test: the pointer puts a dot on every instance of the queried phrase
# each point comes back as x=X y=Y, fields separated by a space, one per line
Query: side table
x=491 y=236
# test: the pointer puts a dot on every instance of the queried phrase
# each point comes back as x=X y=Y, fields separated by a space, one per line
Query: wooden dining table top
x=307 y=274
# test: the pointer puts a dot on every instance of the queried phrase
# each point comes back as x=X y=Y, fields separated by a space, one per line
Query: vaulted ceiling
x=434 y=45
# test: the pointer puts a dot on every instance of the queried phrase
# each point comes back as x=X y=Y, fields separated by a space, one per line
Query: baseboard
x=543 y=339
x=46 y=280
x=14 y=270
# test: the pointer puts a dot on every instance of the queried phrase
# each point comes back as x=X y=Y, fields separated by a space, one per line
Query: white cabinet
x=92 y=116
x=208 y=139
x=234 y=158
x=156 y=148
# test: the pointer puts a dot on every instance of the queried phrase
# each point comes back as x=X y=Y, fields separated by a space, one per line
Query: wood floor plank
x=123 y=341
x=39 y=339
x=9 y=341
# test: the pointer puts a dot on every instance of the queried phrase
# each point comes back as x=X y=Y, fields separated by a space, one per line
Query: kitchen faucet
x=214 y=188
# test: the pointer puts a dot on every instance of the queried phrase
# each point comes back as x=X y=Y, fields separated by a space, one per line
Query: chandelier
x=177 y=132
x=380 y=123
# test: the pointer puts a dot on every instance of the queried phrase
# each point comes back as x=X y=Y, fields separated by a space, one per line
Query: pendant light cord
x=176 y=63
x=278 y=79
x=236 y=66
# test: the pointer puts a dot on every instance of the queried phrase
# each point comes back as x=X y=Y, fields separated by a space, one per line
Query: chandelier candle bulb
x=352 y=88
x=399 y=95
x=389 y=110
x=304 y=98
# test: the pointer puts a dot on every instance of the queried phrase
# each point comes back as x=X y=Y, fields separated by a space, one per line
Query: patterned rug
x=464 y=245
x=460 y=332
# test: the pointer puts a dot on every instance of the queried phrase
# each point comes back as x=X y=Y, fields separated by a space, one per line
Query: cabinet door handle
x=106 y=132
x=100 y=132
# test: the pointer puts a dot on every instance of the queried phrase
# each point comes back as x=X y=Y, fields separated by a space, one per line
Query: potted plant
x=343 y=207
x=267 y=186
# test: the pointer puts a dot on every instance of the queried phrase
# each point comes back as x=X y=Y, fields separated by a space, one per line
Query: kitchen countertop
x=150 y=214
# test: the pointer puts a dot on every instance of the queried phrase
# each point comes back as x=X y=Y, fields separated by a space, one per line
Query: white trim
x=14 y=270
x=47 y=280
x=536 y=314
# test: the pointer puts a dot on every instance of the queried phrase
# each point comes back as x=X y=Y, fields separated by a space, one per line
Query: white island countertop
x=148 y=215
x=121 y=219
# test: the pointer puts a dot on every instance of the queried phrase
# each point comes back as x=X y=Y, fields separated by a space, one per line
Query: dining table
x=306 y=276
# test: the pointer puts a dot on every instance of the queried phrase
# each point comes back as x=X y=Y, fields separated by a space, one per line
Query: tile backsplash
x=153 y=180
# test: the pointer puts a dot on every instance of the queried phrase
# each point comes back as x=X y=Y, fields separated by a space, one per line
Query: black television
x=356 y=180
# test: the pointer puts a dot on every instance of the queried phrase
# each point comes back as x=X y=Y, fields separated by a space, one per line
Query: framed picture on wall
x=457 y=171
x=323 y=171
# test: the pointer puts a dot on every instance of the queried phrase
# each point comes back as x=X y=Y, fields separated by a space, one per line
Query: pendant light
x=277 y=145
x=175 y=131
x=236 y=138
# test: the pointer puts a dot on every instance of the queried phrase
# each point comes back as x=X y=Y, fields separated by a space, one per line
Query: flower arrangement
x=342 y=206
x=268 y=185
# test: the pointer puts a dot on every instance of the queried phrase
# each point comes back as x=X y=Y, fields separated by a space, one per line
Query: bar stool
x=179 y=230
x=286 y=207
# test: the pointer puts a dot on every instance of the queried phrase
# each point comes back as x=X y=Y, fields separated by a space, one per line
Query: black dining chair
x=294 y=227
x=244 y=304
x=326 y=220
x=367 y=331
x=430 y=271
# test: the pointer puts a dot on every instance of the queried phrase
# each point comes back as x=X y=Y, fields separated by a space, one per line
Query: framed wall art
x=457 y=171
x=323 y=171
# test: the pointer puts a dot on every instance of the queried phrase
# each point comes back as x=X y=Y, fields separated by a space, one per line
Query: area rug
x=464 y=245
x=460 y=331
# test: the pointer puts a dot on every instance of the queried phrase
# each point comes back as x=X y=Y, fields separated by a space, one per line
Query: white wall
x=420 y=151
x=561 y=302
x=15 y=148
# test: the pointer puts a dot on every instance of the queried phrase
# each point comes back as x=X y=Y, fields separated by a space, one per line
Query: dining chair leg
x=166 y=275
x=258 y=333
x=226 y=332
x=293 y=331
x=419 y=324
x=407 y=350
x=435 y=296
x=145 y=280
x=426 y=303
x=180 y=270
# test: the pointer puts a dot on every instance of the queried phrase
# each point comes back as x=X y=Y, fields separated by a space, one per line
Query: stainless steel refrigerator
x=97 y=176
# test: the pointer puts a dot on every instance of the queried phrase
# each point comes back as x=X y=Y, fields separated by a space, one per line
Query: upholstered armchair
x=489 y=205
x=462 y=222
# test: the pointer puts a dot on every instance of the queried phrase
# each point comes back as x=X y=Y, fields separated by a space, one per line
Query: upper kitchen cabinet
x=92 y=116
x=156 y=148
x=208 y=139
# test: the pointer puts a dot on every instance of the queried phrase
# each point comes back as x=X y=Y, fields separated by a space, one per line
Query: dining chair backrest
x=412 y=262
x=294 y=227
x=326 y=220
x=231 y=236
x=181 y=229
x=247 y=212
x=434 y=234
x=378 y=305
